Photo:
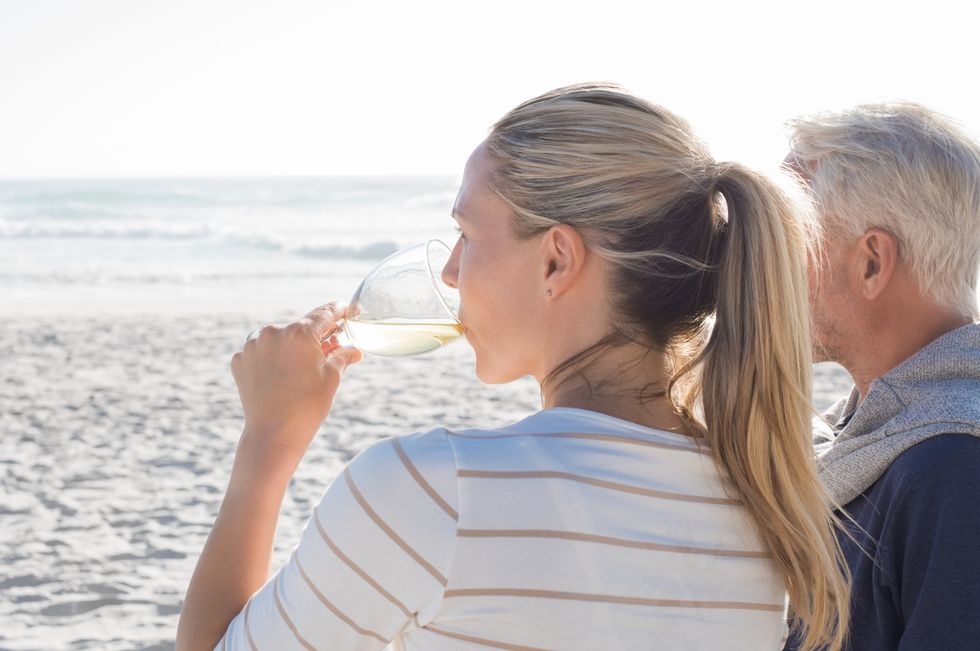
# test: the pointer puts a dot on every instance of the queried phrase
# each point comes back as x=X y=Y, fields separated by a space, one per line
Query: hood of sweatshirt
x=935 y=391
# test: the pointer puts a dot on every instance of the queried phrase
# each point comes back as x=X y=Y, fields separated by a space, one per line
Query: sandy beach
x=118 y=436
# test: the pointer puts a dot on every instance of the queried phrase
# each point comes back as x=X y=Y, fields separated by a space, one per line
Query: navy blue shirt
x=918 y=585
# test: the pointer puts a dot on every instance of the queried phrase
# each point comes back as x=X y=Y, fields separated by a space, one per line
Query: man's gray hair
x=909 y=170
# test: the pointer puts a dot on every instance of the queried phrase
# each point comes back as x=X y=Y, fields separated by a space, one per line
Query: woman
x=664 y=497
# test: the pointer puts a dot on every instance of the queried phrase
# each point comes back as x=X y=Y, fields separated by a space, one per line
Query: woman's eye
x=459 y=231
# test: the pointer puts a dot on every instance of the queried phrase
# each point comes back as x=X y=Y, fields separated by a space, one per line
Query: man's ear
x=876 y=258
x=564 y=256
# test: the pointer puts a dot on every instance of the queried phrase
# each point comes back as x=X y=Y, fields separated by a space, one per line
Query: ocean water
x=255 y=246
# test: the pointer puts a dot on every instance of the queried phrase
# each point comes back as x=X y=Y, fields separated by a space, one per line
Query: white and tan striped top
x=568 y=530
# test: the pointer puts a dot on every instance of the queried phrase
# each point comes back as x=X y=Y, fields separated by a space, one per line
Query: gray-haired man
x=894 y=302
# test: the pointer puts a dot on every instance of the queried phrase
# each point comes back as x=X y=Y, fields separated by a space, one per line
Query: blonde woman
x=664 y=497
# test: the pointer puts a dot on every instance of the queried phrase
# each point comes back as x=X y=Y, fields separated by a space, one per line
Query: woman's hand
x=287 y=377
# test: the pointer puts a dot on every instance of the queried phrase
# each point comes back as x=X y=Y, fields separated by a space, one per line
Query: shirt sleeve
x=373 y=559
x=929 y=560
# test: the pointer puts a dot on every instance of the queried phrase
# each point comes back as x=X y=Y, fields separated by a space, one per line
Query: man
x=893 y=297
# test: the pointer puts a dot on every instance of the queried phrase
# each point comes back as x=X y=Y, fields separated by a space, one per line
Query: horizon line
x=232 y=176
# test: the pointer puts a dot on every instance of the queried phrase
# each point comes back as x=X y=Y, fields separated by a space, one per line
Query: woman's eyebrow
x=458 y=216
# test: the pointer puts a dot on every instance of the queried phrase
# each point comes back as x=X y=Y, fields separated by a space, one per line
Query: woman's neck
x=628 y=382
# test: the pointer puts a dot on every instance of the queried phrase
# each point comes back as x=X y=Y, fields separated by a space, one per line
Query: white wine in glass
x=402 y=307
x=400 y=337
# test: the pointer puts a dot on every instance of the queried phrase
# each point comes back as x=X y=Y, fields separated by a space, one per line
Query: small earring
x=549 y=292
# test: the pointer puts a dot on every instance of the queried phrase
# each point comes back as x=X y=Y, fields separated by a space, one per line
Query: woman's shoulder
x=404 y=458
x=410 y=478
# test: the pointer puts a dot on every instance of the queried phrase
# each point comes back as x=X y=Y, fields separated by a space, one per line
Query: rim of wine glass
x=432 y=276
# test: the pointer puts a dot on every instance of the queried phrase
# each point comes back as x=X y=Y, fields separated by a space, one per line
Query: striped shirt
x=567 y=530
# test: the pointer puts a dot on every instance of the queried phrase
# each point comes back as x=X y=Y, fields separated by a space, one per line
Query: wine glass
x=402 y=307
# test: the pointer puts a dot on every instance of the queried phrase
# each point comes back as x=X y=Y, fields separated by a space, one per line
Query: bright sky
x=100 y=88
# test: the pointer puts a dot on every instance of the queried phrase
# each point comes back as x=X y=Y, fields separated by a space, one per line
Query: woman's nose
x=450 y=272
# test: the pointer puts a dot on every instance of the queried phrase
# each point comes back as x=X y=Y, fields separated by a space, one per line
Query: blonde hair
x=685 y=239
x=909 y=170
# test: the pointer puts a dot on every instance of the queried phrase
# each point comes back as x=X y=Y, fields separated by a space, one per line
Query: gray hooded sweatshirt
x=935 y=391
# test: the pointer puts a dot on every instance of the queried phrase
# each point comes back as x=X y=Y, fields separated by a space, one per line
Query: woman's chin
x=492 y=373
x=485 y=374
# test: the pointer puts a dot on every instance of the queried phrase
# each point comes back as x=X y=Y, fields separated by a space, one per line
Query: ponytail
x=754 y=389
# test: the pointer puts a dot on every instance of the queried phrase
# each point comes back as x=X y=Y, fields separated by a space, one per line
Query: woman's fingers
x=323 y=320
x=340 y=358
x=329 y=344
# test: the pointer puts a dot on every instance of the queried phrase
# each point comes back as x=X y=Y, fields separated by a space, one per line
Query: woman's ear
x=564 y=257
